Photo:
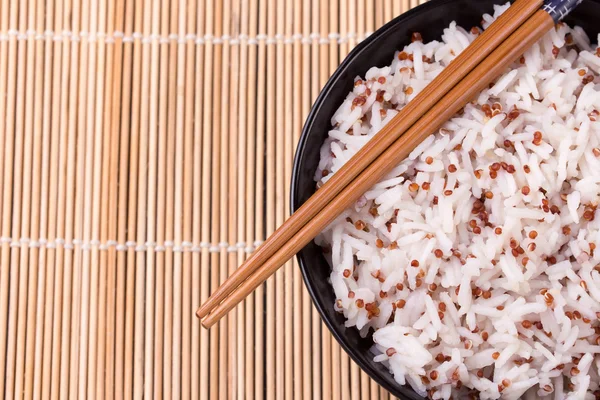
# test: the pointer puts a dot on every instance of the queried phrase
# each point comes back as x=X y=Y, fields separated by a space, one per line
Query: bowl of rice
x=472 y=269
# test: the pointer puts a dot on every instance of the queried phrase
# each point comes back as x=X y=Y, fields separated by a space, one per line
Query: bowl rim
x=395 y=389
x=301 y=149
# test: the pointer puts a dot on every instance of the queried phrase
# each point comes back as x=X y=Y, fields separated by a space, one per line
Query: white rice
x=510 y=308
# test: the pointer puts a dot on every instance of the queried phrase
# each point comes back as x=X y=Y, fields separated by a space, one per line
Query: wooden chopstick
x=512 y=48
x=448 y=78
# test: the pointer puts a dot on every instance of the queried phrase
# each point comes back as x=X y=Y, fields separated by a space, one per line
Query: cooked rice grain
x=475 y=260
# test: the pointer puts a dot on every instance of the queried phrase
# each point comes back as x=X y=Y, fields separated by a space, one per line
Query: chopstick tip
x=202 y=311
x=206 y=324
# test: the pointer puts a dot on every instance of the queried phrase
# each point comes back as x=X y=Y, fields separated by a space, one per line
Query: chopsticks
x=494 y=50
x=451 y=75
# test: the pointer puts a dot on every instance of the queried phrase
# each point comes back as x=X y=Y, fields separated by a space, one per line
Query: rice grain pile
x=474 y=260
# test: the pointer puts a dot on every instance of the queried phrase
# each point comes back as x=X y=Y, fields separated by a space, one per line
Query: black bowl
x=377 y=50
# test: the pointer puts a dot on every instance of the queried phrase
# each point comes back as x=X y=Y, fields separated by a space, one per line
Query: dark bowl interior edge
x=430 y=18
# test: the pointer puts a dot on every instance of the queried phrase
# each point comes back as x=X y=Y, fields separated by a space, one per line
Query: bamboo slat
x=147 y=150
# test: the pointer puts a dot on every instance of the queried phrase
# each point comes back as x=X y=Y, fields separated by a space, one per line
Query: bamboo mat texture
x=146 y=149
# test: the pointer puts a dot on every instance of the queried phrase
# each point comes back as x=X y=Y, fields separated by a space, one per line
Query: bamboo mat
x=147 y=149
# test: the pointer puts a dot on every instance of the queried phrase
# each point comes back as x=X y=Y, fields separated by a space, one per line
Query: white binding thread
x=197 y=39
x=95 y=243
